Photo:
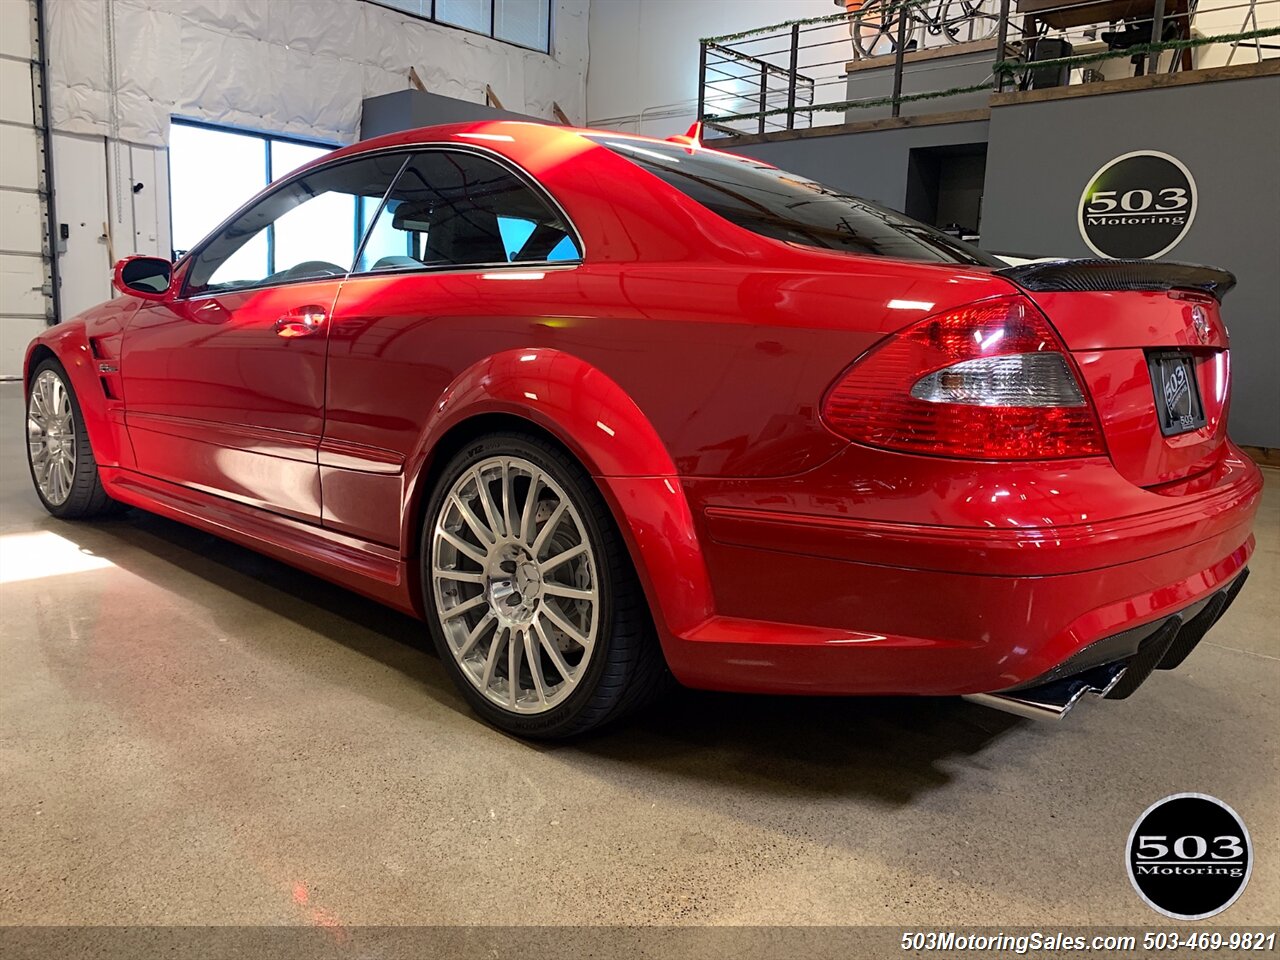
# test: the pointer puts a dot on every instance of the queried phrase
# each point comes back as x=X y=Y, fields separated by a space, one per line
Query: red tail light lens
x=988 y=381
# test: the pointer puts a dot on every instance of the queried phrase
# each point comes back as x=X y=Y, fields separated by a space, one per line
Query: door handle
x=301 y=322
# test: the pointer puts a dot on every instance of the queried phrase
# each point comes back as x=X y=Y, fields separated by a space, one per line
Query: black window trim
x=493 y=16
x=408 y=150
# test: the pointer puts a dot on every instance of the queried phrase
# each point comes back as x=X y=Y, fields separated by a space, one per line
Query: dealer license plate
x=1178 y=404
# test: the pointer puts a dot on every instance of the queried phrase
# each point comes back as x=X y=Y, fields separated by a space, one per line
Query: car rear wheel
x=62 y=464
x=531 y=597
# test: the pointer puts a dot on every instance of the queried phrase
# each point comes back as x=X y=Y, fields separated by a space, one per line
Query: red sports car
x=603 y=409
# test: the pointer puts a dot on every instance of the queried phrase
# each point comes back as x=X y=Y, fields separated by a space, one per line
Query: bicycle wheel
x=875 y=28
x=964 y=21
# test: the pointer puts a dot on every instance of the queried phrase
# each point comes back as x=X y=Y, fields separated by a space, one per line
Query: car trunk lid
x=1152 y=350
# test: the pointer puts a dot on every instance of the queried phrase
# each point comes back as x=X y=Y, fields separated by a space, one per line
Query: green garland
x=859 y=104
x=1009 y=67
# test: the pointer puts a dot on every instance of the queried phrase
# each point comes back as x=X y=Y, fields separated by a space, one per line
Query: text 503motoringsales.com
x=1024 y=943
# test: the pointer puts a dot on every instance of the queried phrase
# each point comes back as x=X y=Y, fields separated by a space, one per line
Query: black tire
x=627 y=669
x=86 y=497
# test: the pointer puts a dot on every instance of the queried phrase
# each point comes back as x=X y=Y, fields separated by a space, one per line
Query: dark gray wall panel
x=872 y=165
x=407 y=109
x=1042 y=155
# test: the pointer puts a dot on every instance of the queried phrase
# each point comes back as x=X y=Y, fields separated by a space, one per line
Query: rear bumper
x=1114 y=667
x=828 y=604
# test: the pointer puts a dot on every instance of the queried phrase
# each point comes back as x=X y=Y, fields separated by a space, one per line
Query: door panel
x=419 y=308
x=218 y=399
x=225 y=382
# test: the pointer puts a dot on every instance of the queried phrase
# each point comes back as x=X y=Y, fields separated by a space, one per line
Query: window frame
x=303 y=172
x=493 y=18
x=520 y=174
x=408 y=150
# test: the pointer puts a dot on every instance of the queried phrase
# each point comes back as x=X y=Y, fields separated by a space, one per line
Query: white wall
x=643 y=76
x=22 y=217
x=120 y=69
x=287 y=66
x=1215 y=18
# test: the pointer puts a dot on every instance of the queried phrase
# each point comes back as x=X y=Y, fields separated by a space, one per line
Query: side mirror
x=141 y=276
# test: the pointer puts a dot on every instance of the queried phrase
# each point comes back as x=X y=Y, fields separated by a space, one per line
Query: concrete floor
x=192 y=734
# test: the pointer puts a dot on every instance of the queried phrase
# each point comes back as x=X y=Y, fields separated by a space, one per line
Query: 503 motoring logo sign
x=1189 y=856
x=1139 y=206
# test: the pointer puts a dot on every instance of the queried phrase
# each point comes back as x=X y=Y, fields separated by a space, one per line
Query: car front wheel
x=62 y=464
x=531 y=597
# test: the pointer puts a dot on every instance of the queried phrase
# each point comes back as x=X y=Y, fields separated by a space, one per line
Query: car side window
x=452 y=208
x=307 y=229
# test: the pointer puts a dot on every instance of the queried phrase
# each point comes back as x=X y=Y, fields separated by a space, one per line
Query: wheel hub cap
x=513 y=584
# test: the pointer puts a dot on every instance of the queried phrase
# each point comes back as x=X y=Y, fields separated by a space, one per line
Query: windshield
x=784 y=206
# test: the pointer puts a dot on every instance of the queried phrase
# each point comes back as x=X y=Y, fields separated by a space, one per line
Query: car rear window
x=791 y=208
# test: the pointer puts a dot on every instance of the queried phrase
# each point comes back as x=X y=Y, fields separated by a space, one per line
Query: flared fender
x=602 y=426
x=103 y=418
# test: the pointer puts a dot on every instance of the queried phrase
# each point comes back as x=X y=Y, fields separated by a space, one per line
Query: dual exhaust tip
x=1164 y=647
x=1053 y=701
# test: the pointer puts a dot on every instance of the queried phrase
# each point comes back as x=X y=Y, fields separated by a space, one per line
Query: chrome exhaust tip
x=1053 y=701
x=1163 y=646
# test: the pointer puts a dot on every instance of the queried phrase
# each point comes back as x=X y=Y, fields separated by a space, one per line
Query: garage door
x=25 y=286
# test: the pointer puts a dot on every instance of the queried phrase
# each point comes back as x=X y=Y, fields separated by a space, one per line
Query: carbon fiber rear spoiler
x=1062 y=276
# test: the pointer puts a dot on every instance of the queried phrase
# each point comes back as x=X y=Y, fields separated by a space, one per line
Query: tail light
x=987 y=381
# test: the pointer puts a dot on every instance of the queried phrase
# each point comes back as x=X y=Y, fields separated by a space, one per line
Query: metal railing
x=728 y=75
x=877 y=57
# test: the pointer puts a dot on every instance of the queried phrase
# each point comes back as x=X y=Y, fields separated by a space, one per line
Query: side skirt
x=376 y=571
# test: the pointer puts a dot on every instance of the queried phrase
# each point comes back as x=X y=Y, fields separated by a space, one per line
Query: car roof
x=515 y=139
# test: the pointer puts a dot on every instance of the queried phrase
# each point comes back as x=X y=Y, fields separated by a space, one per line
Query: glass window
x=526 y=22
x=523 y=22
x=305 y=230
x=384 y=241
x=468 y=14
x=212 y=171
x=287 y=156
x=457 y=209
x=795 y=209
x=419 y=8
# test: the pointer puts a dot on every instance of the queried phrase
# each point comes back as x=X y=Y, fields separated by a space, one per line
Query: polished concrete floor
x=192 y=734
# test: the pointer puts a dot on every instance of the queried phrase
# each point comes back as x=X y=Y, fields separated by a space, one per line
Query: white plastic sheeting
x=286 y=66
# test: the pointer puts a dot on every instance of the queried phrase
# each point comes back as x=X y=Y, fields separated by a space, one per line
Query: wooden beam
x=560 y=114
x=415 y=81
x=491 y=98
x=1239 y=71
x=864 y=126
x=920 y=56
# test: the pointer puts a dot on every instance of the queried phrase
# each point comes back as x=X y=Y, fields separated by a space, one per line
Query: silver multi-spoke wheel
x=516 y=584
x=51 y=437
